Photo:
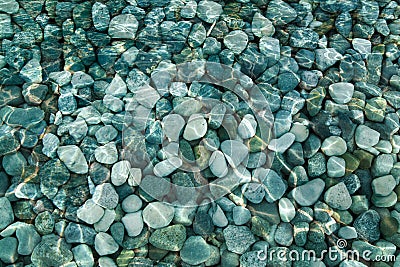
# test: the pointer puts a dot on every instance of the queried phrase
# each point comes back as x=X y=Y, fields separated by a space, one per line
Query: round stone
x=218 y=164
x=195 y=250
x=105 y=244
x=383 y=186
x=120 y=172
x=105 y=196
x=73 y=158
x=106 y=154
x=240 y=215
x=90 y=212
x=334 y=146
x=341 y=92
x=234 y=151
x=133 y=223
x=238 y=238
x=247 y=127
x=336 y=167
x=366 y=137
x=131 y=203
x=338 y=197
x=195 y=128
x=286 y=210
x=309 y=193
x=158 y=215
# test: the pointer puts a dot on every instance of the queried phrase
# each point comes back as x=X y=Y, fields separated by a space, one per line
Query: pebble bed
x=106 y=135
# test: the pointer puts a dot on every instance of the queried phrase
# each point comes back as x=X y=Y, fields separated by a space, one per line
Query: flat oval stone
x=309 y=193
x=172 y=125
x=105 y=244
x=338 y=197
x=247 y=127
x=366 y=137
x=158 y=215
x=334 y=146
x=195 y=128
x=133 y=223
x=218 y=164
x=341 y=92
x=234 y=151
x=236 y=41
x=286 y=210
x=195 y=250
x=169 y=238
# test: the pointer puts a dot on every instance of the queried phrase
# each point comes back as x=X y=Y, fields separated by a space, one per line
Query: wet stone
x=236 y=41
x=238 y=238
x=123 y=26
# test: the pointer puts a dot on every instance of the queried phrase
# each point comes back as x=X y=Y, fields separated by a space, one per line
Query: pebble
x=105 y=196
x=100 y=16
x=120 y=172
x=336 y=167
x=123 y=27
x=32 y=72
x=106 y=154
x=195 y=250
x=383 y=186
x=117 y=87
x=133 y=223
x=234 y=151
x=51 y=251
x=341 y=92
x=172 y=125
x=90 y=212
x=366 y=137
x=196 y=127
x=218 y=164
x=283 y=143
x=131 y=203
x=274 y=186
x=9 y=6
x=158 y=215
x=367 y=225
x=236 y=41
x=105 y=244
x=286 y=210
x=166 y=167
x=83 y=255
x=247 y=127
x=50 y=145
x=209 y=11
x=73 y=158
x=309 y=193
x=240 y=215
x=238 y=238
x=338 y=197
x=170 y=238
x=261 y=26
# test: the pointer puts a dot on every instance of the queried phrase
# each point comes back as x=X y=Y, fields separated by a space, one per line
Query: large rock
x=6 y=213
x=73 y=158
x=51 y=251
x=123 y=27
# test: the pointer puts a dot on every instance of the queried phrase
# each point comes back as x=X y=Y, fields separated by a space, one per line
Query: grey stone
x=78 y=233
x=14 y=164
x=117 y=87
x=286 y=210
x=105 y=196
x=51 y=251
x=341 y=92
x=81 y=79
x=209 y=11
x=234 y=151
x=90 y=212
x=238 y=238
x=284 y=234
x=218 y=164
x=336 y=167
x=383 y=186
x=240 y=215
x=367 y=225
x=309 y=193
x=106 y=134
x=83 y=255
x=131 y=203
x=32 y=72
x=196 y=127
x=100 y=16
x=166 y=167
x=326 y=58
x=195 y=251
x=281 y=144
x=106 y=154
x=247 y=127
x=133 y=223
x=120 y=172
x=236 y=41
x=105 y=222
x=105 y=244
x=28 y=238
x=261 y=26
x=73 y=158
x=9 y=6
x=366 y=137
x=158 y=215
x=338 y=197
x=50 y=145
x=169 y=238
x=274 y=186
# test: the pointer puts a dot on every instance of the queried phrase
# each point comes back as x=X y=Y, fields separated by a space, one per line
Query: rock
x=274 y=186
x=172 y=125
x=251 y=258
x=261 y=26
x=8 y=249
x=362 y=46
x=336 y=167
x=44 y=223
x=158 y=215
x=166 y=167
x=100 y=16
x=105 y=222
x=238 y=238
x=197 y=35
x=284 y=234
x=341 y=92
x=90 y=212
x=234 y=151
x=6 y=30
x=51 y=251
x=280 y=13
x=133 y=223
x=14 y=164
x=216 y=116
x=67 y=103
x=32 y=72
x=286 y=210
x=218 y=164
x=304 y=38
x=247 y=127
x=106 y=154
x=253 y=192
x=366 y=137
x=81 y=79
x=105 y=244
x=123 y=27
x=9 y=6
x=326 y=58
x=120 y=172
x=117 y=87
x=209 y=11
x=236 y=41
x=50 y=145
x=367 y=225
x=169 y=238
x=6 y=213
x=281 y=144
x=105 y=196
x=309 y=193
x=195 y=128
x=195 y=251
x=219 y=219
x=347 y=232
x=383 y=186
x=382 y=165
x=83 y=255
x=28 y=238
x=240 y=215
x=131 y=203
x=338 y=197
x=73 y=158
x=78 y=233
x=106 y=134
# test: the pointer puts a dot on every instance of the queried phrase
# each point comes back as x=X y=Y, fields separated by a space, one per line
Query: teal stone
x=211 y=46
x=280 y=13
x=304 y=38
x=367 y=225
x=209 y=11
x=169 y=238
x=186 y=150
x=344 y=23
x=236 y=41
x=51 y=251
x=326 y=57
x=100 y=16
x=197 y=35
x=8 y=249
x=316 y=165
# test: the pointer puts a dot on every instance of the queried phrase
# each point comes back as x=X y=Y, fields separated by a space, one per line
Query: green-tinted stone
x=388 y=226
x=125 y=257
x=202 y=156
x=256 y=144
x=360 y=204
x=352 y=162
x=314 y=100
x=169 y=238
x=365 y=158
x=375 y=109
